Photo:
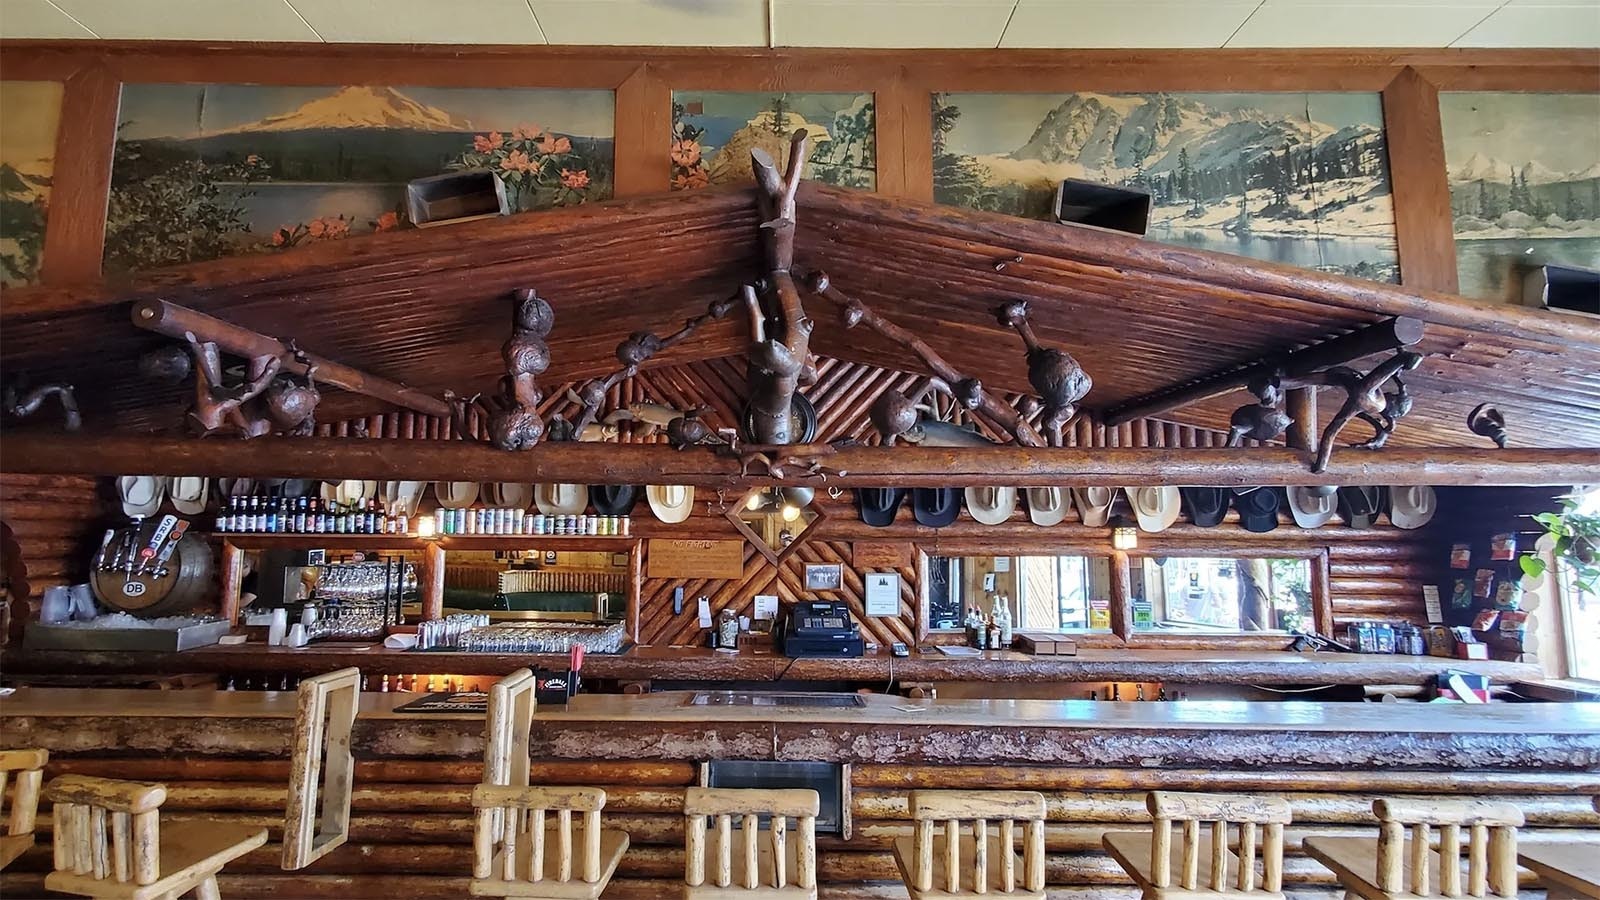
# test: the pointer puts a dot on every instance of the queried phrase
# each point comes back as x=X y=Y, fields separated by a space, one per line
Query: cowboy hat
x=1258 y=510
x=878 y=506
x=512 y=495
x=1206 y=505
x=1048 y=505
x=1358 y=506
x=991 y=505
x=141 y=494
x=403 y=497
x=1312 y=507
x=935 y=507
x=1412 y=507
x=298 y=487
x=670 y=502
x=613 y=499
x=455 y=494
x=1094 y=504
x=189 y=494
x=561 y=499
x=236 y=487
x=1156 y=508
x=354 y=490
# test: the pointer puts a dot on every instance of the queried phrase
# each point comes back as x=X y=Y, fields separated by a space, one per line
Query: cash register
x=820 y=628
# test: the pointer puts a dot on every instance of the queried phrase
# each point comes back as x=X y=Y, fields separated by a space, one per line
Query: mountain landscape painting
x=1524 y=185
x=27 y=163
x=205 y=171
x=713 y=133
x=1298 y=178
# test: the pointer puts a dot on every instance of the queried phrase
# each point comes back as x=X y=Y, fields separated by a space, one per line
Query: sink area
x=743 y=698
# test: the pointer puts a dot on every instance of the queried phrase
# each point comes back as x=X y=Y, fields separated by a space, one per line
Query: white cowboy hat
x=141 y=494
x=1094 y=504
x=408 y=497
x=670 y=502
x=455 y=494
x=356 y=491
x=1156 y=508
x=991 y=505
x=329 y=491
x=1313 y=507
x=1412 y=507
x=509 y=494
x=1048 y=505
x=189 y=494
x=561 y=499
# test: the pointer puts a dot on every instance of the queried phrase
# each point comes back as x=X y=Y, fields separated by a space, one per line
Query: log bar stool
x=937 y=866
x=775 y=869
x=1390 y=870
x=510 y=838
x=141 y=860
x=1565 y=870
x=1149 y=857
x=25 y=769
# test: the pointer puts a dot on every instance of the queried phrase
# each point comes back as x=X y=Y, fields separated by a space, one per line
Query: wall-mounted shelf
x=254 y=541
x=614 y=543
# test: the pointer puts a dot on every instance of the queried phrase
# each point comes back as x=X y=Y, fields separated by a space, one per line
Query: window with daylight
x=1580 y=600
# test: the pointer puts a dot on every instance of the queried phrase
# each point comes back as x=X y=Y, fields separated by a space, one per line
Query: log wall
x=56 y=520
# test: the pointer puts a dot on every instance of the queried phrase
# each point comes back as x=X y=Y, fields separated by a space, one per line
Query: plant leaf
x=1532 y=566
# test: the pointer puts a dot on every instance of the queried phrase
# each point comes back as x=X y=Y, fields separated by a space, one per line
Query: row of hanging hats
x=670 y=503
x=1157 y=508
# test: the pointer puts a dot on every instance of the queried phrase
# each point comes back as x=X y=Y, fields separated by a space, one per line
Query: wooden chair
x=141 y=859
x=511 y=836
x=321 y=766
x=774 y=869
x=1149 y=858
x=28 y=768
x=1388 y=869
x=939 y=865
x=505 y=737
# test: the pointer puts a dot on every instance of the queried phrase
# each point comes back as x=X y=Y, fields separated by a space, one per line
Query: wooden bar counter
x=224 y=755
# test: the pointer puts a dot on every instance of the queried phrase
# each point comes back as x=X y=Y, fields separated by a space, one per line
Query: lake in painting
x=203 y=171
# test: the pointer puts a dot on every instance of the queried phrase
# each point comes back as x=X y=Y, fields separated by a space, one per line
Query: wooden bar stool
x=140 y=860
x=1566 y=871
x=511 y=836
x=1388 y=869
x=774 y=869
x=25 y=769
x=936 y=863
x=321 y=767
x=1149 y=857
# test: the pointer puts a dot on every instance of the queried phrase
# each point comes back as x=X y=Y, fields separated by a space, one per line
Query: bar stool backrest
x=947 y=810
x=1260 y=822
x=25 y=769
x=723 y=804
x=87 y=809
x=1491 y=855
x=321 y=765
x=504 y=816
x=505 y=753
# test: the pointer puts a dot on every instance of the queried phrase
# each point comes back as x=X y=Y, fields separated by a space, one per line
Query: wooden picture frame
x=824 y=577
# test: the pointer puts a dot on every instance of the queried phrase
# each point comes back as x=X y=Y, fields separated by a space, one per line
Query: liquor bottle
x=272 y=516
x=371 y=520
x=235 y=514
x=252 y=517
x=221 y=525
x=301 y=507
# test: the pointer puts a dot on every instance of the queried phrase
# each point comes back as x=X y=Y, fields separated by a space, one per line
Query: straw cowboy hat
x=354 y=490
x=1156 y=508
x=455 y=494
x=561 y=499
x=1094 y=504
x=402 y=498
x=189 y=494
x=509 y=494
x=141 y=494
x=1412 y=507
x=1048 y=505
x=1313 y=507
x=671 y=503
x=991 y=505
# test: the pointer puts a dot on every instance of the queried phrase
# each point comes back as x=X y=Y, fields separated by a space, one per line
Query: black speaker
x=1103 y=205
x=1563 y=288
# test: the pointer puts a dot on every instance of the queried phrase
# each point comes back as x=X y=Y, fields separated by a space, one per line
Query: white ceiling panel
x=1372 y=23
x=1574 y=24
x=668 y=23
x=1125 y=23
x=38 y=19
x=890 y=23
x=190 y=20
x=422 y=21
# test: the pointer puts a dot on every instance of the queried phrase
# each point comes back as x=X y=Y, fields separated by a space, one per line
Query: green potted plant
x=1576 y=538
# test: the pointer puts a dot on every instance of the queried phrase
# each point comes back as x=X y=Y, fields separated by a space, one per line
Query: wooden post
x=1301 y=405
x=1121 y=595
x=232 y=581
x=432 y=581
x=1420 y=181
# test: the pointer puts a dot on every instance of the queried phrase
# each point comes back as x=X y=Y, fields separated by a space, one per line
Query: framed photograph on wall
x=824 y=577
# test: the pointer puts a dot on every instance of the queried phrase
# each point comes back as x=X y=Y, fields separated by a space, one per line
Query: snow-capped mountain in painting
x=358 y=106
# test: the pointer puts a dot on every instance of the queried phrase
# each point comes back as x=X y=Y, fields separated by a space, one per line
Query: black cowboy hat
x=1258 y=510
x=936 y=507
x=613 y=499
x=1205 y=505
x=878 y=506
x=1359 y=506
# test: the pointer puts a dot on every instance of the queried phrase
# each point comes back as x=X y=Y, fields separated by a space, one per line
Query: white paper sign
x=883 y=594
x=705 y=612
x=1430 y=597
x=766 y=606
x=1002 y=563
x=988 y=581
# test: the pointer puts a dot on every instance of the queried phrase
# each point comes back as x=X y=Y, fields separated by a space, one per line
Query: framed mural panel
x=713 y=133
x=1524 y=185
x=27 y=163
x=205 y=171
x=1296 y=178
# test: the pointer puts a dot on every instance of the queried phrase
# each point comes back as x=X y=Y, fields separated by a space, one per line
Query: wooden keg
x=190 y=576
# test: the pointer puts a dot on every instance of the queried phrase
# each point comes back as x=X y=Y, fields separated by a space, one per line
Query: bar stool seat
x=25 y=769
x=765 y=874
x=1200 y=864
x=1564 y=870
x=191 y=852
x=1135 y=851
x=1402 y=862
x=966 y=851
x=1355 y=861
x=613 y=844
x=964 y=845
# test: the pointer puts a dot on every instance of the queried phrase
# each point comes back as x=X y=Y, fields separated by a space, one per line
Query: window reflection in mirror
x=1212 y=595
x=1047 y=593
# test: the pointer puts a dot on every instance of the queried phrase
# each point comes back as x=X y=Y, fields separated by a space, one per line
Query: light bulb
x=790 y=512
x=754 y=503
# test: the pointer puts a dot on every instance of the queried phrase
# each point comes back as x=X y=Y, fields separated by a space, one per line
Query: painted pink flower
x=576 y=180
x=389 y=221
x=317 y=228
x=687 y=181
x=338 y=227
x=516 y=161
x=552 y=144
x=686 y=153
x=280 y=237
x=526 y=132
x=486 y=143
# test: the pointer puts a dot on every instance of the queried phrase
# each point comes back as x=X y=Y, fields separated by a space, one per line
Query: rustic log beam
x=1301 y=405
x=780 y=362
x=175 y=321
x=583 y=463
x=1379 y=337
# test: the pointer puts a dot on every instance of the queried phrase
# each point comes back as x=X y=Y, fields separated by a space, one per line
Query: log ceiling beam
x=1391 y=334
x=175 y=321
x=587 y=463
